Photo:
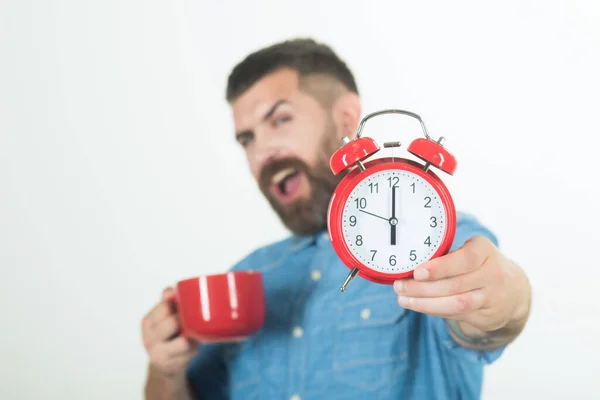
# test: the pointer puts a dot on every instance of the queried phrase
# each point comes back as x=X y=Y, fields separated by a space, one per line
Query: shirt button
x=326 y=236
x=365 y=313
x=298 y=332
x=295 y=397
x=315 y=275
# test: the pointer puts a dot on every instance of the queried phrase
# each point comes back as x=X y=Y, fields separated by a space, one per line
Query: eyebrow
x=267 y=115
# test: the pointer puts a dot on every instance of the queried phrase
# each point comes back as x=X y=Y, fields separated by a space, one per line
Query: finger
x=173 y=363
x=177 y=363
x=177 y=347
x=167 y=355
x=448 y=306
x=168 y=293
x=468 y=258
x=159 y=312
x=444 y=287
x=180 y=346
x=165 y=329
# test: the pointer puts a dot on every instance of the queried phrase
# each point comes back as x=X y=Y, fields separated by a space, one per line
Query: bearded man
x=428 y=338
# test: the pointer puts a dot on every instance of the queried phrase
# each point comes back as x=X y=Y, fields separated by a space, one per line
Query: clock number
x=374 y=186
x=413 y=186
x=433 y=222
x=361 y=202
x=359 y=241
x=428 y=201
x=374 y=252
x=428 y=241
x=396 y=180
x=352 y=220
x=413 y=255
x=392 y=260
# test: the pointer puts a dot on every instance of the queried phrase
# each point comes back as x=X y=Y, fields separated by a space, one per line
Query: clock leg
x=351 y=276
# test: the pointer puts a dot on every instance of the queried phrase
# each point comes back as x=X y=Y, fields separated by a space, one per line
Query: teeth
x=281 y=175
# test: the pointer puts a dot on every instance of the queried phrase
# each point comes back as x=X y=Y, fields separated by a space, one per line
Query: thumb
x=168 y=293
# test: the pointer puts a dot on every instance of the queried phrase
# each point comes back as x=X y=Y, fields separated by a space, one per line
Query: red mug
x=222 y=307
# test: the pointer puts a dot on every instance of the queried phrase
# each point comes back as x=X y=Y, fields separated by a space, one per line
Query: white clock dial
x=393 y=237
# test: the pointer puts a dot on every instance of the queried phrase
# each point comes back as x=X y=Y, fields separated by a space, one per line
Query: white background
x=116 y=153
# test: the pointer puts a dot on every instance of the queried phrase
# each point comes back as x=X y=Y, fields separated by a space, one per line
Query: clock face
x=393 y=221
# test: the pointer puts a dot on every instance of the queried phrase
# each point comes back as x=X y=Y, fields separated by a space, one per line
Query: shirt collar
x=299 y=242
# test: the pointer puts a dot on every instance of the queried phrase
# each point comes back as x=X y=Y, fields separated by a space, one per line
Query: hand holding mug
x=169 y=352
x=209 y=308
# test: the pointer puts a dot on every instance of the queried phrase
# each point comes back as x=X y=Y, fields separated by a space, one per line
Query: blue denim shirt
x=320 y=343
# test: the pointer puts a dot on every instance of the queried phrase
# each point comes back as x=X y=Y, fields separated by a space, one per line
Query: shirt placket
x=300 y=333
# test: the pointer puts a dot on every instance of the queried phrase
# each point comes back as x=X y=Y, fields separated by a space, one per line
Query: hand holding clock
x=482 y=295
x=476 y=286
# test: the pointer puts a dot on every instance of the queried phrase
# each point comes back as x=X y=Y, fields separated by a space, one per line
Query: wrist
x=162 y=385
x=522 y=309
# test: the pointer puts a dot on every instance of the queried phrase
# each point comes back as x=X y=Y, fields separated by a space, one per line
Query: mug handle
x=173 y=300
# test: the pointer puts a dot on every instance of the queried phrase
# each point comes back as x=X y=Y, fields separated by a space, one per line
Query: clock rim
x=345 y=188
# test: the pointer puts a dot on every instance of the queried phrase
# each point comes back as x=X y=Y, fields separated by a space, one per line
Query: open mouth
x=285 y=184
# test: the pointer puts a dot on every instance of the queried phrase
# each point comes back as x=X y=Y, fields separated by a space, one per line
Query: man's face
x=288 y=138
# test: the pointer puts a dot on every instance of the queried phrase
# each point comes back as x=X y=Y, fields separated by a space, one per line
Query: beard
x=304 y=216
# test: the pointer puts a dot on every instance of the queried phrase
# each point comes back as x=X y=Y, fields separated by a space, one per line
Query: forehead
x=260 y=97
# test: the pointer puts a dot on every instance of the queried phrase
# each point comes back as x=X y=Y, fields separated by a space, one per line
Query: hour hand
x=393 y=220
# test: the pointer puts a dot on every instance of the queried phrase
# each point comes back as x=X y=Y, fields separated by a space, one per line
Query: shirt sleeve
x=467 y=227
x=207 y=374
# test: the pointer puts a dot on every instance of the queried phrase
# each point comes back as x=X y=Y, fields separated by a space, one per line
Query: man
x=427 y=338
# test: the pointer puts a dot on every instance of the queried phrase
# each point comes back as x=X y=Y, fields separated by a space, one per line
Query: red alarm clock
x=389 y=215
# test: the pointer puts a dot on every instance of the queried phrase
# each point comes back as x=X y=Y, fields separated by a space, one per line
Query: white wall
x=116 y=148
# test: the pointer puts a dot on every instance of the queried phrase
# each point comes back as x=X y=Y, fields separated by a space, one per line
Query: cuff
x=483 y=357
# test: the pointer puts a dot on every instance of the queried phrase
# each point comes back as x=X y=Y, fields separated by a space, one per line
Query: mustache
x=271 y=168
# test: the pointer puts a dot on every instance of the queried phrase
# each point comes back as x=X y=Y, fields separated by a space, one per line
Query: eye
x=245 y=139
x=282 y=119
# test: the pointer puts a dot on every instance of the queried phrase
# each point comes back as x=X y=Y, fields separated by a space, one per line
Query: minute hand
x=375 y=215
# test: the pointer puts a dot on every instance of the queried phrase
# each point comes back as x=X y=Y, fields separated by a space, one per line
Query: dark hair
x=306 y=56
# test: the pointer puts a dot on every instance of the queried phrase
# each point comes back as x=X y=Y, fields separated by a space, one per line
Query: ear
x=346 y=113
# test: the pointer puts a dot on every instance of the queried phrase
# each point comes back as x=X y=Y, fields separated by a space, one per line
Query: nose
x=267 y=147
x=267 y=154
x=262 y=157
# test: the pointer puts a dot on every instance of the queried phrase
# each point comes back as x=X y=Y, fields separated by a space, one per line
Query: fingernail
x=421 y=274
x=404 y=301
x=399 y=286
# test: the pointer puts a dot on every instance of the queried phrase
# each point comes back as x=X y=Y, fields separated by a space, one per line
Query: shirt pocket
x=371 y=343
x=243 y=365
